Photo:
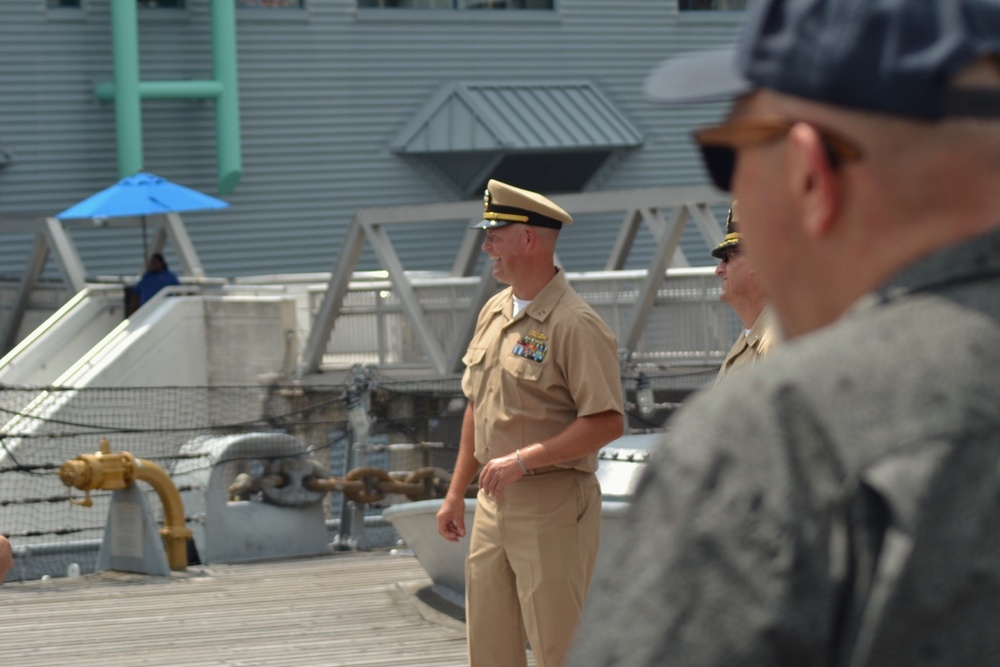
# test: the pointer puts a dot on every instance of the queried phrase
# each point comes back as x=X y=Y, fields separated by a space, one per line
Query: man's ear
x=814 y=180
x=530 y=236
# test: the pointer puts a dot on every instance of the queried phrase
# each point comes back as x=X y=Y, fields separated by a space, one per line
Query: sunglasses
x=719 y=144
x=728 y=255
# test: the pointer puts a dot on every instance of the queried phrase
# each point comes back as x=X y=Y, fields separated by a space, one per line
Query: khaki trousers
x=531 y=557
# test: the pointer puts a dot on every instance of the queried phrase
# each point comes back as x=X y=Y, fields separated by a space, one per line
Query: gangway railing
x=75 y=327
x=19 y=302
x=665 y=211
x=686 y=324
x=68 y=333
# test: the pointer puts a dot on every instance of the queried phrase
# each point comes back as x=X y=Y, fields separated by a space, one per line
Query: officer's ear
x=529 y=236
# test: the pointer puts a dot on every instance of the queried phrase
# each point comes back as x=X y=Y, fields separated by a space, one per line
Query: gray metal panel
x=517 y=116
x=323 y=92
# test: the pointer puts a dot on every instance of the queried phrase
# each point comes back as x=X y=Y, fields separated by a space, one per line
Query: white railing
x=686 y=325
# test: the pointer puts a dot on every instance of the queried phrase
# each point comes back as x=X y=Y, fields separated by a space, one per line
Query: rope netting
x=411 y=424
x=42 y=427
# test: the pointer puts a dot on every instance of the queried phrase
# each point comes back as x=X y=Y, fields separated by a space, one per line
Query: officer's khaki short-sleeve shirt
x=750 y=348
x=530 y=376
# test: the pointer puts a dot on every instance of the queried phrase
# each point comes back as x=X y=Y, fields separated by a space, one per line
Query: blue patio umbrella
x=140 y=195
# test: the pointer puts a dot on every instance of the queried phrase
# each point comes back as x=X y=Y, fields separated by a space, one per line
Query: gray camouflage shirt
x=835 y=505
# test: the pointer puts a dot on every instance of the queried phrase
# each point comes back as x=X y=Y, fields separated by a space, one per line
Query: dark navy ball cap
x=891 y=56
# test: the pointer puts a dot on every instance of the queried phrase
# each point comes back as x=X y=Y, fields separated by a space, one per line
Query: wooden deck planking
x=349 y=610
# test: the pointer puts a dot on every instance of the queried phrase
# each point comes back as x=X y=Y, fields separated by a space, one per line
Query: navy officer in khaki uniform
x=742 y=291
x=544 y=395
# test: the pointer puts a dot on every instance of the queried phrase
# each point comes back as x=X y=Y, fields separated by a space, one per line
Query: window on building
x=456 y=4
x=161 y=3
x=293 y=4
x=717 y=5
x=63 y=3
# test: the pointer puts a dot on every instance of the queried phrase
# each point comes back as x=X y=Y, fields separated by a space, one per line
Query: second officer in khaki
x=742 y=291
x=544 y=395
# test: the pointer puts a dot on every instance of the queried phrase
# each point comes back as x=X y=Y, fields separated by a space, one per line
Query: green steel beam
x=128 y=107
x=164 y=90
x=127 y=91
x=229 y=161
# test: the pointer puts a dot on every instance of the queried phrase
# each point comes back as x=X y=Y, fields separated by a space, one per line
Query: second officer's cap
x=732 y=237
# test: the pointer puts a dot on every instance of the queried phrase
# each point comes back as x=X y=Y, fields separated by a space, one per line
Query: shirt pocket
x=472 y=380
x=474 y=357
x=522 y=369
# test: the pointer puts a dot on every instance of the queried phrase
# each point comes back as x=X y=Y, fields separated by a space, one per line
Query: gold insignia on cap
x=492 y=217
x=732 y=237
x=511 y=217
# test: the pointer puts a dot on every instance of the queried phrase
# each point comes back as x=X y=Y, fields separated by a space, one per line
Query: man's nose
x=720 y=269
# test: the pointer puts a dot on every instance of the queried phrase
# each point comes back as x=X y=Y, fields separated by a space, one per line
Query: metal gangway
x=665 y=313
x=419 y=322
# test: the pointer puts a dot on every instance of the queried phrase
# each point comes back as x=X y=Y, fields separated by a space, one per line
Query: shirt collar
x=543 y=303
x=963 y=261
x=760 y=326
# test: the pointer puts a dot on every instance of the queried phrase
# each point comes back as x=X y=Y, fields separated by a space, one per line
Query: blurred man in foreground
x=837 y=504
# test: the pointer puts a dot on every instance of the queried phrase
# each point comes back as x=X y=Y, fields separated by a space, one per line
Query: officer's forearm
x=466 y=465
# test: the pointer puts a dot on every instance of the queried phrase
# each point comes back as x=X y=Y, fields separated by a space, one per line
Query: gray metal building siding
x=323 y=91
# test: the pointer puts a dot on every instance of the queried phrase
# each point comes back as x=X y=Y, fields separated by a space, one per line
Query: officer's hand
x=451 y=519
x=500 y=473
x=6 y=559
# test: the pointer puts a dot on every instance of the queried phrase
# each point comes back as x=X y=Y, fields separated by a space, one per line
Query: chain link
x=368 y=484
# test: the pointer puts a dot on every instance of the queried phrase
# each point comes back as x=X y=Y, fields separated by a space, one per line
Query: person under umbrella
x=157 y=276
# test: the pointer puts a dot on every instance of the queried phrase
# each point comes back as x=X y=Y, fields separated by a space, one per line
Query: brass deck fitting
x=109 y=471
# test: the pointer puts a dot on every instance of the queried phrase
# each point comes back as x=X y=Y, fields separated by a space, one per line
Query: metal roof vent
x=552 y=137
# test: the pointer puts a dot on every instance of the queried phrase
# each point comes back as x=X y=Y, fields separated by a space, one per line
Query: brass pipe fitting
x=101 y=470
x=175 y=532
x=109 y=471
